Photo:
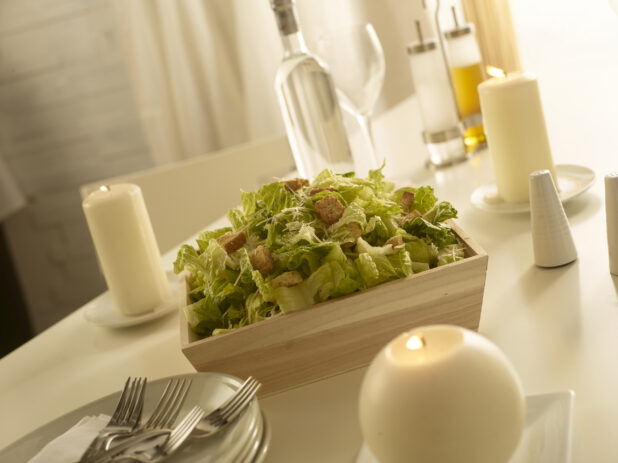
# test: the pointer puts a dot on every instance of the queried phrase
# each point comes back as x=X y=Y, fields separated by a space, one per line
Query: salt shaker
x=611 y=217
x=443 y=133
x=551 y=234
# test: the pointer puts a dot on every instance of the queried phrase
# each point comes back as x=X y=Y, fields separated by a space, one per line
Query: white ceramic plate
x=101 y=311
x=546 y=437
x=252 y=444
x=208 y=390
x=263 y=448
x=573 y=180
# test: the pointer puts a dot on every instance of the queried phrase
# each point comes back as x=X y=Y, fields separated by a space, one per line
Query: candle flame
x=104 y=188
x=495 y=72
x=415 y=342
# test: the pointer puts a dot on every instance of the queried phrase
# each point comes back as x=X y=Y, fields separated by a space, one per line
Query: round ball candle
x=127 y=248
x=516 y=132
x=441 y=394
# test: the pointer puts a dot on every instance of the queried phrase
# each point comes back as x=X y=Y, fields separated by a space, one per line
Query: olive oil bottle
x=466 y=74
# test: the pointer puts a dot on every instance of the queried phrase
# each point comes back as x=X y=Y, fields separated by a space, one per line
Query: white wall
x=550 y=34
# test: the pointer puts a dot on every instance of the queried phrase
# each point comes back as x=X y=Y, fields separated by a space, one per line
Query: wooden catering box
x=345 y=333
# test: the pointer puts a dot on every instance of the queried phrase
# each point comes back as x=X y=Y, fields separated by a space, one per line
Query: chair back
x=182 y=198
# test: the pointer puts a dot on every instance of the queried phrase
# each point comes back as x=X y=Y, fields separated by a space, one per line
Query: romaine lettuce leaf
x=372 y=242
x=441 y=212
x=439 y=234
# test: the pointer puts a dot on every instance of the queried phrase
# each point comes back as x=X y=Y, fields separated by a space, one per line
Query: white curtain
x=203 y=70
x=189 y=73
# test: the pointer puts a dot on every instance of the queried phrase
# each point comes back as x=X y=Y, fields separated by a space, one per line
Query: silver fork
x=181 y=432
x=214 y=422
x=174 y=440
x=125 y=419
x=218 y=419
x=231 y=409
x=167 y=408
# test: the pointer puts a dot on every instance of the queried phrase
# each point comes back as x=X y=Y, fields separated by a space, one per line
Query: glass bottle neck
x=293 y=44
x=291 y=37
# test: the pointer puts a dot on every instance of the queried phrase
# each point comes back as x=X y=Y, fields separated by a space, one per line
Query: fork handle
x=127 y=444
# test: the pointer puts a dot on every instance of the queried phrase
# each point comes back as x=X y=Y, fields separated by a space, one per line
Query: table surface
x=559 y=327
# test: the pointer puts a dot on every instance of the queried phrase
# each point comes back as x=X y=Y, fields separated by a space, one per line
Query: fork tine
x=183 y=430
x=236 y=404
x=169 y=404
x=233 y=411
x=126 y=415
x=178 y=402
x=172 y=405
x=121 y=402
x=131 y=401
x=161 y=406
x=235 y=396
x=128 y=402
x=239 y=396
x=138 y=404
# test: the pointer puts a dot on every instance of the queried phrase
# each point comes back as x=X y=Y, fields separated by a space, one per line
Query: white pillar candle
x=516 y=132
x=127 y=248
x=441 y=394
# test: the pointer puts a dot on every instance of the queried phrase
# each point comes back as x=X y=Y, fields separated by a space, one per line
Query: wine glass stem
x=364 y=121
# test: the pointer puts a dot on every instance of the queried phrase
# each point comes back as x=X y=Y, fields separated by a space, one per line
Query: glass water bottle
x=308 y=102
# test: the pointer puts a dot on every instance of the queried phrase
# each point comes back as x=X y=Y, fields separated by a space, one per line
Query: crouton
x=315 y=191
x=356 y=232
x=396 y=240
x=407 y=201
x=262 y=259
x=296 y=184
x=232 y=241
x=329 y=208
x=287 y=279
x=409 y=217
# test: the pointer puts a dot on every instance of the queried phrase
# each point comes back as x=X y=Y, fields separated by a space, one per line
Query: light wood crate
x=344 y=333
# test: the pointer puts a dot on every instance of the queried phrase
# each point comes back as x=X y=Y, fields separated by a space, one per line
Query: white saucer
x=546 y=437
x=101 y=311
x=573 y=180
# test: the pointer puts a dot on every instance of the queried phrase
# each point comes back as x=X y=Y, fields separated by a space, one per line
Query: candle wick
x=419 y=32
x=455 y=17
x=104 y=188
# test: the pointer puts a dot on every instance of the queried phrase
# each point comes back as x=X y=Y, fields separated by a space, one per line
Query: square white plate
x=546 y=437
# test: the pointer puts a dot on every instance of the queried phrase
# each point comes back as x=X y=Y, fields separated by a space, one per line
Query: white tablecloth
x=558 y=326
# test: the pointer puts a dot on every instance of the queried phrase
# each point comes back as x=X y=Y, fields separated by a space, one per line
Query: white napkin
x=70 y=446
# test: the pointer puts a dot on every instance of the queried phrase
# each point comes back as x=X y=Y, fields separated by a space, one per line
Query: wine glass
x=355 y=59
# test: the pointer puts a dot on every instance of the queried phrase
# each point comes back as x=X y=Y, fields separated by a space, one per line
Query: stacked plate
x=243 y=441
